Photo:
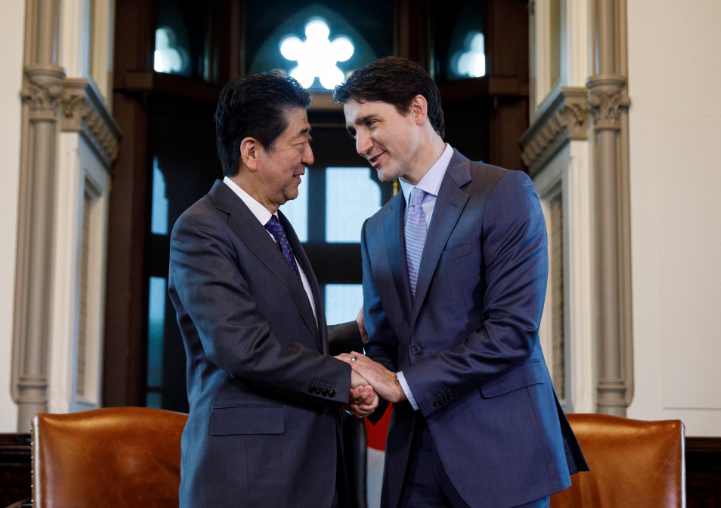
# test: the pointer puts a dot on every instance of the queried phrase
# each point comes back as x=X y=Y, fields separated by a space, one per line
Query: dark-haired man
x=454 y=278
x=264 y=394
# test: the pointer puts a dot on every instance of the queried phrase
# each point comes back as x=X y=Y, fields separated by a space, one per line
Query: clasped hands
x=370 y=380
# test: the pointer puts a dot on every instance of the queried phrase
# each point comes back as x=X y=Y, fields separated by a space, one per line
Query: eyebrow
x=306 y=130
x=358 y=121
x=363 y=119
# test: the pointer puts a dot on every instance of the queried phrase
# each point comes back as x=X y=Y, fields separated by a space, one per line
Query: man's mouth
x=375 y=160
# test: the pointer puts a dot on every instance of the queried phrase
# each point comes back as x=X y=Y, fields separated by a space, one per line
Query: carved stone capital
x=84 y=111
x=608 y=98
x=42 y=91
x=565 y=119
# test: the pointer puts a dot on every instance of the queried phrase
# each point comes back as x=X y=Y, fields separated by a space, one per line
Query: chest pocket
x=456 y=251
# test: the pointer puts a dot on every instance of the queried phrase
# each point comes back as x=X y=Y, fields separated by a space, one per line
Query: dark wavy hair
x=254 y=106
x=396 y=81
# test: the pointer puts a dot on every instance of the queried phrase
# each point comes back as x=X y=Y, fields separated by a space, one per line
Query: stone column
x=609 y=101
x=41 y=97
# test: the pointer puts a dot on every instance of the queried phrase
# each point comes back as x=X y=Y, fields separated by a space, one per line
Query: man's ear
x=419 y=109
x=249 y=152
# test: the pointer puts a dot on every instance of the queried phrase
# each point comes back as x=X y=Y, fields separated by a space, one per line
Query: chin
x=291 y=195
x=386 y=175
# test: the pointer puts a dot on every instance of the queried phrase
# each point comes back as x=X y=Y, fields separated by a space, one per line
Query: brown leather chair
x=120 y=457
x=635 y=464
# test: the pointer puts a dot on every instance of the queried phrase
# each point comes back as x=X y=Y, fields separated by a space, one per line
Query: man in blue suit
x=263 y=429
x=454 y=279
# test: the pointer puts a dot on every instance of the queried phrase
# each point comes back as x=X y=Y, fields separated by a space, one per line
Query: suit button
x=311 y=389
x=436 y=404
x=331 y=393
x=416 y=349
x=325 y=392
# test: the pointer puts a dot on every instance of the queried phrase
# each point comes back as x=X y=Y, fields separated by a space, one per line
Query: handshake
x=370 y=381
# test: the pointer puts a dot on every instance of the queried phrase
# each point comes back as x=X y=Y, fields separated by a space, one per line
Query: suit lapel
x=393 y=227
x=449 y=205
x=256 y=237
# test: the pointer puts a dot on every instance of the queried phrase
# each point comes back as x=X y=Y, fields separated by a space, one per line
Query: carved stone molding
x=84 y=111
x=42 y=91
x=607 y=99
x=565 y=119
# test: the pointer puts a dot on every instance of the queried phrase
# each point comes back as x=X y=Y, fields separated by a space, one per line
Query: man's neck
x=426 y=157
x=253 y=190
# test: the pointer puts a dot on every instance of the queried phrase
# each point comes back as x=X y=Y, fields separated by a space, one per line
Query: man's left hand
x=383 y=381
x=363 y=401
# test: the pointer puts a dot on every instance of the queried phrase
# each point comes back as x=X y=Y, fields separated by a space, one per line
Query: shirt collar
x=261 y=212
x=431 y=181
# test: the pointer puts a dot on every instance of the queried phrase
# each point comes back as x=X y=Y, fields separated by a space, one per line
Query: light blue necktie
x=415 y=235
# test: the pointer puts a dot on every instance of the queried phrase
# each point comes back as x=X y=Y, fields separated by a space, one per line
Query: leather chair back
x=638 y=464
x=120 y=457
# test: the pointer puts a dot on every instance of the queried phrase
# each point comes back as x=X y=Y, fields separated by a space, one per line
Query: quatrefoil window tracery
x=317 y=55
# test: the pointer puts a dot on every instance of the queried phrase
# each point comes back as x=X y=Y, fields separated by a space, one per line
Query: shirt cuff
x=407 y=390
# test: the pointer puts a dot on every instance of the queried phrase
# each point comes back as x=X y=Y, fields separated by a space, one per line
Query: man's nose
x=363 y=144
x=308 y=156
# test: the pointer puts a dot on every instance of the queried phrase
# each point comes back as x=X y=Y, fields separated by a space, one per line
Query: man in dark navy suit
x=263 y=429
x=454 y=279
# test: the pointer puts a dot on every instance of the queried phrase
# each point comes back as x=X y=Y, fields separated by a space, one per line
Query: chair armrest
x=26 y=503
x=344 y=338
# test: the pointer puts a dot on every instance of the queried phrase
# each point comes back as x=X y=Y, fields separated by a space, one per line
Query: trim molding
x=51 y=103
x=564 y=120
x=609 y=103
x=84 y=111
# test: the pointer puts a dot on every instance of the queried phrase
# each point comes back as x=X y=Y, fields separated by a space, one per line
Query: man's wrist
x=400 y=393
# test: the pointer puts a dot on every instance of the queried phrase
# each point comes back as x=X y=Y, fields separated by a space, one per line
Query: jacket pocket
x=456 y=251
x=244 y=420
x=530 y=373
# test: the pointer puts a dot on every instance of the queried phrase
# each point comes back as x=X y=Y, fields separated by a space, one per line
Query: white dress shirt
x=263 y=215
x=431 y=184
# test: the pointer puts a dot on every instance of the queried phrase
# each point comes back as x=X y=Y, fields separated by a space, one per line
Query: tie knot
x=274 y=226
x=417 y=196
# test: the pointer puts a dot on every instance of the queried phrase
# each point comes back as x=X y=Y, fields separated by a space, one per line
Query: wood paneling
x=15 y=477
x=703 y=472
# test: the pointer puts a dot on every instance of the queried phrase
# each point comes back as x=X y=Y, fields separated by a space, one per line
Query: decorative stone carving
x=565 y=119
x=84 y=111
x=42 y=91
x=607 y=99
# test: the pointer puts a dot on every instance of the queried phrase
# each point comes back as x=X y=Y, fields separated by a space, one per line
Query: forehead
x=356 y=112
x=297 y=122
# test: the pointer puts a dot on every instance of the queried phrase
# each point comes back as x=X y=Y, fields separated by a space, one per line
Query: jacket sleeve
x=234 y=335
x=382 y=343
x=514 y=247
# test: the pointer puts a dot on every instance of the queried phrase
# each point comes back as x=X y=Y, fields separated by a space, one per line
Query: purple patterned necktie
x=275 y=228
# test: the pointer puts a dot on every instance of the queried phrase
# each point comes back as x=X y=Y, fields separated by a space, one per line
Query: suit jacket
x=468 y=343
x=263 y=428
